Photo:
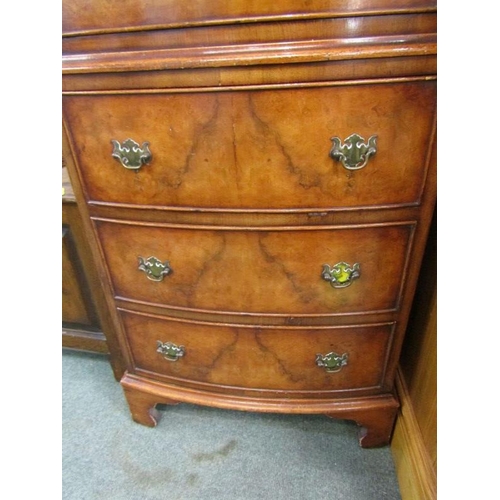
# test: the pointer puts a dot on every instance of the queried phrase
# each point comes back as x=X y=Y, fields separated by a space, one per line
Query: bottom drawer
x=263 y=358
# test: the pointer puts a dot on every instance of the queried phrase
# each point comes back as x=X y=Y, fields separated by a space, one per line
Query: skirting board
x=416 y=475
x=84 y=340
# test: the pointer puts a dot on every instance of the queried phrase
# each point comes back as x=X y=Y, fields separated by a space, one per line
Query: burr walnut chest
x=257 y=181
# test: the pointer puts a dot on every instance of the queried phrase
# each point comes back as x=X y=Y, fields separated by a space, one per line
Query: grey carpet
x=205 y=453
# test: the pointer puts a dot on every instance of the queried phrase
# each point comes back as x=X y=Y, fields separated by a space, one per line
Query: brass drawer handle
x=130 y=154
x=154 y=268
x=355 y=153
x=331 y=362
x=170 y=351
x=341 y=275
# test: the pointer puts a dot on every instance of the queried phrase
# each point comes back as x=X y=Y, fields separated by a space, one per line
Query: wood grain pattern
x=260 y=271
x=423 y=388
x=375 y=414
x=82 y=16
x=419 y=354
x=257 y=149
x=250 y=55
x=414 y=465
x=239 y=102
x=415 y=440
x=313 y=74
x=228 y=354
x=244 y=34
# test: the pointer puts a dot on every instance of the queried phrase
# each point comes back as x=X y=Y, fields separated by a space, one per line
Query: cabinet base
x=375 y=415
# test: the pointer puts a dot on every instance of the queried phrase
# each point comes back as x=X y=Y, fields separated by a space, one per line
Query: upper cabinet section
x=133 y=44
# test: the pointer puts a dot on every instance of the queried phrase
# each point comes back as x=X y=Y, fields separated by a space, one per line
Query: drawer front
x=258 y=271
x=261 y=358
x=258 y=149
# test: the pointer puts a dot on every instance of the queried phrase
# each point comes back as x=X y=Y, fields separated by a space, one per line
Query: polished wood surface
x=415 y=436
x=76 y=304
x=419 y=355
x=258 y=77
x=416 y=473
x=85 y=323
x=247 y=34
x=227 y=355
x=82 y=16
x=294 y=52
x=259 y=271
x=239 y=104
x=81 y=326
x=88 y=340
x=375 y=414
x=257 y=149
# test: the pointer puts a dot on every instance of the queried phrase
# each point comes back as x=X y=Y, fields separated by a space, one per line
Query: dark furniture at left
x=85 y=325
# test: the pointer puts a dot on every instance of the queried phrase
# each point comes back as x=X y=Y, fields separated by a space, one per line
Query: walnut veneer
x=241 y=206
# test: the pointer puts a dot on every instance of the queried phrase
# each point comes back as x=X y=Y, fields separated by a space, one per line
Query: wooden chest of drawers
x=257 y=184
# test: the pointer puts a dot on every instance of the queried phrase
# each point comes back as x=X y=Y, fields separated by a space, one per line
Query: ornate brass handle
x=154 y=268
x=341 y=274
x=130 y=154
x=355 y=153
x=170 y=351
x=331 y=362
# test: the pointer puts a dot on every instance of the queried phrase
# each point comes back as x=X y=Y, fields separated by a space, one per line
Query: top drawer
x=256 y=149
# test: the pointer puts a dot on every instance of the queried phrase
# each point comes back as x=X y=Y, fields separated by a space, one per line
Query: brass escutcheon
x=130 y=154
x=331 y=362
x=154 y=268
x=170 y=351
x=355 y=153
x=341 y=275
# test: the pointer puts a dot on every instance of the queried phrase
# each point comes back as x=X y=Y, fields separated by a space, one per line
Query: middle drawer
x=265 y=271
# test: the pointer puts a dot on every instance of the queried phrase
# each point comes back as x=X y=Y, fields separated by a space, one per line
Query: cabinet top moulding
x=245 y=55
x=84 y=17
